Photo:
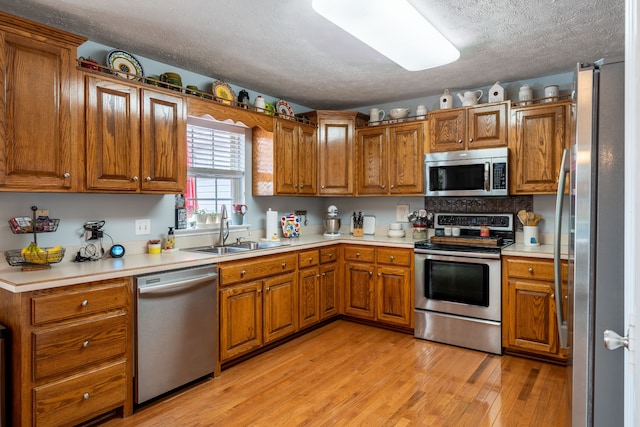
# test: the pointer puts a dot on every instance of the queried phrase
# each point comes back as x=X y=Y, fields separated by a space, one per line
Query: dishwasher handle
x=175 y=285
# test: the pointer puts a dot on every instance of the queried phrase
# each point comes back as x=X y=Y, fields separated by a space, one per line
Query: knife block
x=358 y=232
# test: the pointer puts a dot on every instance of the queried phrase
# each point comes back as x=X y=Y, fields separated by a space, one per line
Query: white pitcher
x=376 y=115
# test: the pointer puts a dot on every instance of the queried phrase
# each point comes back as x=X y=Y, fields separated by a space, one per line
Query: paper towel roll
x=272 y=225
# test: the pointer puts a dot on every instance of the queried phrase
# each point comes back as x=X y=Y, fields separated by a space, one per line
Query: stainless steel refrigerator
x=595 y=299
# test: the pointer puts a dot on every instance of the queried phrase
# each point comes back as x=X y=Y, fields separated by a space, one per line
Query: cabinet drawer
x=328 y=254
x=359 y=253
x=308 y=258
x=394 y=256
x=64 y=348
x=75 y=303
x=80 y=397
x=257 y=268
x=538 y=269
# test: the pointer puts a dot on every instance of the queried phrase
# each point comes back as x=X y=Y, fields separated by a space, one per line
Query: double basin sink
x=235 y=247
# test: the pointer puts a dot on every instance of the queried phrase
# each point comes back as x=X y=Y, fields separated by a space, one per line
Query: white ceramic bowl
x=398 y=113
x=395 y=233
x=395 y=226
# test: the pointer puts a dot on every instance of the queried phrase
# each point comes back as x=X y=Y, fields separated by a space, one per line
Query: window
x=215 y=165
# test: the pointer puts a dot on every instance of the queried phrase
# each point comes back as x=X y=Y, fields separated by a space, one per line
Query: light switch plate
x=402 y=213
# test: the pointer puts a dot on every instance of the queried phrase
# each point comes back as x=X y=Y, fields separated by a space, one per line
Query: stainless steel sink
x=235 y=247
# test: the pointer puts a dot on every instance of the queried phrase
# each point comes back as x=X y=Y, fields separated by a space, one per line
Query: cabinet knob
x=259 y=291
x=329 y=255
x=379 y=274
x=470 y=139
x=310 y=259
x=301 y=186
x=391 y=257
x=392 y=186
x=295 y=185
x=460 y=141
x=85 y=396
x=67 y=175
x=322 y=186
x=86 y=343
x=148 y=178
x=324 y=274
x=371 y=273
x=284 y=265
x=357 y=254
x=382 y=186
x=135 y=178
x=531 y=270
x=267 y=289
x=552 y=296
x=317 y=275
x=84 y=303
x=243 y=272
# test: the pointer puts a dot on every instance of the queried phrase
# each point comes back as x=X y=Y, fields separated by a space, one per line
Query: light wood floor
x=347 y=374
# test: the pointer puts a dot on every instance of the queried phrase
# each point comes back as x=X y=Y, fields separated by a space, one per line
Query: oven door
x=461 y=285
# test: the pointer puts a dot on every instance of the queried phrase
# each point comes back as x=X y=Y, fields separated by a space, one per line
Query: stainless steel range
x=458 y=288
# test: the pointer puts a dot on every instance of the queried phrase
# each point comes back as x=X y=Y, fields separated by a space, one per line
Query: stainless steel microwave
x=483 y=172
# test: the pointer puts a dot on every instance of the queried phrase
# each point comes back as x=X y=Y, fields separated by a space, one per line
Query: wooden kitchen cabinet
x=309 y=287
x=258 y=303
x=38 y=107
x=336 y=150
x=296 y=158
x=529 y=309
x=539 y=133
x=378 y=284
x=390 y=159
x=71 y=352
x=135 y=138
x=329 y=282
x=466 y=128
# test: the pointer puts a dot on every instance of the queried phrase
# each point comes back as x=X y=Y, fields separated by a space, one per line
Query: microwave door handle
x=487 y=180
x=557 y=267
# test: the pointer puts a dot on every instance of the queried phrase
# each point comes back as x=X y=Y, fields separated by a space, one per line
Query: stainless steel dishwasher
x=176 y=332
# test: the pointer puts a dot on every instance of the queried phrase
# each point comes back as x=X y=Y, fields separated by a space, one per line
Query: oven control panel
x=503 y=222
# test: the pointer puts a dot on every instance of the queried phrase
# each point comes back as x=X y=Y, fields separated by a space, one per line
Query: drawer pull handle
x=67 y=175
x=391 y=258
x=86 y=343
x=310 y=259
x=135 y=179
x=259 y=291
x=243 y=272
x=84 y=303
x=357 y=253
x=330 y=255
x=371 y=273
x=317 y=275
x=85 y=396
x=284 y=265
x=531 y=270
x=148 y=178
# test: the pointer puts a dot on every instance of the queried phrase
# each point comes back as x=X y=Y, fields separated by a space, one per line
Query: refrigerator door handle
x=563 y=329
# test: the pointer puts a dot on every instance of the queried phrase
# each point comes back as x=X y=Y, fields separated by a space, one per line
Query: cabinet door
x=112 y=135
x=329 y=296
x=373 y=156
x=240 y=319
x=406 y=159
x=307 y=160
x=286 y=157
x=280 y=306
x=164 y=143
x=358 y=290
x=393 y=295
x=532 y=322
x=335 y=160
x=448 y=128
x=487 y=126
x=309 y=301
x=540 y=133
x=37 y=112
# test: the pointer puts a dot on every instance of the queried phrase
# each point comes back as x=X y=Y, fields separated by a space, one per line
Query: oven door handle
x=563 y=327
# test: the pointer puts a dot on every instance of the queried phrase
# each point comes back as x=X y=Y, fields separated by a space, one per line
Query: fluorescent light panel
x=392 y=27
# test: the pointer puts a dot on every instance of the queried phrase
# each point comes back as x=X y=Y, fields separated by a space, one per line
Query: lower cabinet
x=329 y=282
x=529 y=309
x=309 y=287
x=378 y=284
x=258 y=303
x=75 y=358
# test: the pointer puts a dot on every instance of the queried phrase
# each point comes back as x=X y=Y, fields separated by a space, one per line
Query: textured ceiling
x=282 y=48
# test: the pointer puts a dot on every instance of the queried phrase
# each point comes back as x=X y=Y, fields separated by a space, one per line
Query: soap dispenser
x=171 y=239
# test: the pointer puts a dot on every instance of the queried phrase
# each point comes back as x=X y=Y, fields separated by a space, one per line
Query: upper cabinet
x=539 y=133
x=285 y=161
x=38 y=107
x=389 y=159
x=336 y=151
x=135 y=138
x=481 y=126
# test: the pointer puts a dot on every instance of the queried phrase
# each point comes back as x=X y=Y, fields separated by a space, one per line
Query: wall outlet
x=143 y=226
x=402 y=213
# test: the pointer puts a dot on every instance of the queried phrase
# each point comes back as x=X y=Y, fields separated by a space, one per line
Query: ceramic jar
x=525 y=95
x=446 y=100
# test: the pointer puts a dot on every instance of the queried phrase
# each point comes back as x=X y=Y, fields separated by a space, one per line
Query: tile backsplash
x=506 y=204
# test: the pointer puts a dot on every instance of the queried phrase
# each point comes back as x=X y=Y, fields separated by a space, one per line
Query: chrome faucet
x=222 y=237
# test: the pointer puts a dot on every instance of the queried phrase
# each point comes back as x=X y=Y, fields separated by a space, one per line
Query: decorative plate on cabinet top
x=223 y=92
x=125 y=62
x=284 y=109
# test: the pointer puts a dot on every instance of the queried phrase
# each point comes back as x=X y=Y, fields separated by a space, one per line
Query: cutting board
x=467 y=240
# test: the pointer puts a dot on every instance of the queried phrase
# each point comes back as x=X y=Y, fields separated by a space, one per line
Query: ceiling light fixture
x=392 y=27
